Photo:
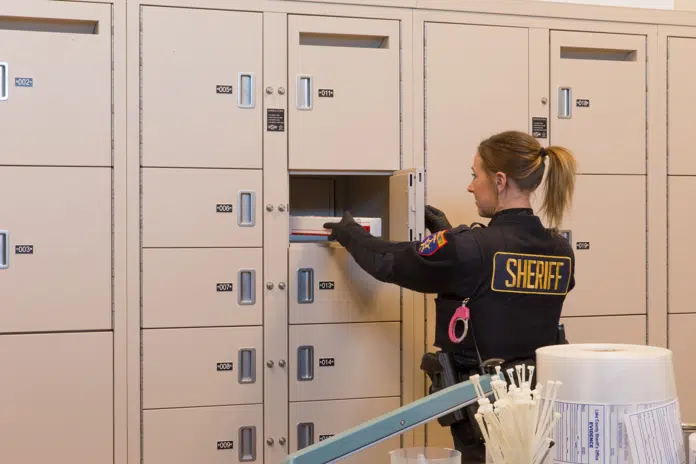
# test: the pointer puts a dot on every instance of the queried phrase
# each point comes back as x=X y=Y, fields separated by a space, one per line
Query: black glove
x=435 y=220
x=347 y=219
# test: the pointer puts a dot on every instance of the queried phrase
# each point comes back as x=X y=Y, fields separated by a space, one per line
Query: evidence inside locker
x=331 y=195
x=326 y=284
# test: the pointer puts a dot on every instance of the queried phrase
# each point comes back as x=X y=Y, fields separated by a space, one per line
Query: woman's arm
x=428 y=266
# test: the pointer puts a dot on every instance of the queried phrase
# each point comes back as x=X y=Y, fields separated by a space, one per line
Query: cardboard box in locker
x=344 y=361
x=327 y=285
x=202 y=367
x=313 y=226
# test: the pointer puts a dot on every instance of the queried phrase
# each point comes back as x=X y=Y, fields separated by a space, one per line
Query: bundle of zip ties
x=517 y=426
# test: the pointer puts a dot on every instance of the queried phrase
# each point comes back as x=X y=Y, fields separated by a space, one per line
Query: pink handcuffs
x=460 y=315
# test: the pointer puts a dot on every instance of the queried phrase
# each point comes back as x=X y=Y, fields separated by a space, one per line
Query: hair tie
x=542 y=152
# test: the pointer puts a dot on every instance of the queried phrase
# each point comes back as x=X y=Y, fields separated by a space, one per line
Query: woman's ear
x=500 y=181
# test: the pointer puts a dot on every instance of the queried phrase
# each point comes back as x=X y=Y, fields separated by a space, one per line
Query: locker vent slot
x=4 y=81
x=247 y=208
x=305 y=363
x=4 y=250
x=246 y=96
x=343 y=40
x=66 y=26
x=247 y=287
x=247 y=365
x=247 y=444
x=600 y=54
x=305 y=435
x=305 y=286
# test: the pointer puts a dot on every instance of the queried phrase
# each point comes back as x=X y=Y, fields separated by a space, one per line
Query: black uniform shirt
x=515 y=272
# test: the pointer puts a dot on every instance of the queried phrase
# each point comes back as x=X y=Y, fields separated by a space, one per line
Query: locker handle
x=304 y=92
x=246 y=213
x=4 y=249
x=247 y=444
x=247 y=287
x=305 y=285
x=246 y=96
x=247 y=365
x=564 y=102
x=305 y=363
x=305 y=435
x=4 y=81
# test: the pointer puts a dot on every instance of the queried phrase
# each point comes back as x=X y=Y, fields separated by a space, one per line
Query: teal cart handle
x=393 y=423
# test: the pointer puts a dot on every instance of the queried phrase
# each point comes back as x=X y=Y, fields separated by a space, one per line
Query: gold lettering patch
x=534 y=274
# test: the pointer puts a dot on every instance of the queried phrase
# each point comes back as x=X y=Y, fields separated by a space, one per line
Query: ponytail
x=522 y=158
x=560 y=184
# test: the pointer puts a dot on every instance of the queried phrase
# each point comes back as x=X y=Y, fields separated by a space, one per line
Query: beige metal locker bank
x=155 y=306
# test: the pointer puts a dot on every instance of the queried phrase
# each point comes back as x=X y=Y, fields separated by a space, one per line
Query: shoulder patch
x=531 y=274
x=433 y=242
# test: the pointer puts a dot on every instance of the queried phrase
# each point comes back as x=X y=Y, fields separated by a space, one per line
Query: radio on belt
x=313 y=226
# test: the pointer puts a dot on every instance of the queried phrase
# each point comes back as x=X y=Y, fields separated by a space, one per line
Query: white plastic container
x=692 y=449
x=425 y=455
x=313 y=226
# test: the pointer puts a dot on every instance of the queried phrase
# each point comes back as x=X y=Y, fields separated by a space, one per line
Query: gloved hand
x=347 y=219
x=435 y=220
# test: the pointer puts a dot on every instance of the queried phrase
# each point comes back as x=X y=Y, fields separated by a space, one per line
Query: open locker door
x=406 y=205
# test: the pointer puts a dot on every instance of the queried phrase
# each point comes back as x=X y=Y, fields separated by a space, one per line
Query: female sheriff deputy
x=505 y=282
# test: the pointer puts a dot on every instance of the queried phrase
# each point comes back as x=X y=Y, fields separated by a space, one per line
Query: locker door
x=681 y=99
x=326 y=285
x=313 y=422
x=217 y=435
x=598 y=109
x=201 y=208
x=477 y=84
x=55 y=90
x=682 y=328
x=57 y=398
x=55 y=232
x=606 y=329
x=343 y=93
x=610 y=248
x=201 y=84
x=682 y=254
x=187 y=287
x=202 y=367
x=343 y=361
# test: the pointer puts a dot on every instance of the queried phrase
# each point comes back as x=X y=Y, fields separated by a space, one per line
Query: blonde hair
x=521 y=158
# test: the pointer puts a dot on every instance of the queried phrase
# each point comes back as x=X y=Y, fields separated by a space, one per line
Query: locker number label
x=24 y=249
x=24 y=82
x=225 y=445
x=582 y=103
x=325 y=437
x=224 y=366
x=224 y=287
x=327 y=285
x=224 y=89
x=582 y=245
x=224 y=208
x=327 y=362
x=326 y=93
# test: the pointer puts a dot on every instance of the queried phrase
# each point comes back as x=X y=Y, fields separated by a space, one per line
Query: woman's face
x=484 y=189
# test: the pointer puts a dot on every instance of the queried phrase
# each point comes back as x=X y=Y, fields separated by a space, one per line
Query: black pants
x=466 y=442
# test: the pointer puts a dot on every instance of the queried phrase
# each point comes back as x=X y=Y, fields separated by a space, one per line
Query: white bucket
x=425 y=455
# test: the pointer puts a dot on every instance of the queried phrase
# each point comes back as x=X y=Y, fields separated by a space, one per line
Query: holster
x=438 y=367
